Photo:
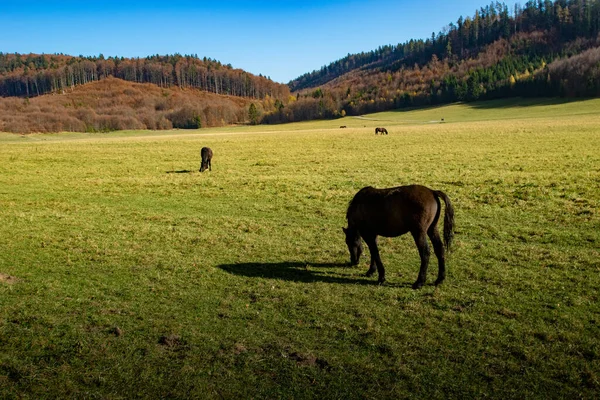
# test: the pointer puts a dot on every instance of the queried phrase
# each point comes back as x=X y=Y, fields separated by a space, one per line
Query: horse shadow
x=181 y=171
x=296 y=271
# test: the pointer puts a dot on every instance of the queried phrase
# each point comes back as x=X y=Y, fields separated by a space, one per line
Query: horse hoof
x=417 y=285
x=369 y=274
x=438 y=282
x=381 y=281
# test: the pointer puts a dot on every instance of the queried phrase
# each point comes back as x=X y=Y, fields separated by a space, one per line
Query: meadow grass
x=126 y=273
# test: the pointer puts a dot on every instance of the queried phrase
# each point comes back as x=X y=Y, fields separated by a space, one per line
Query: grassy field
x=126 y=273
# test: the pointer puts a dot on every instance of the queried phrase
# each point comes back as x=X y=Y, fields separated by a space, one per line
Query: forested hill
x=568 y=19
x=544 y=48
x=29 y=75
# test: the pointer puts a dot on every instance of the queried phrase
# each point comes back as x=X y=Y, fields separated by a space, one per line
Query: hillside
x=49 y=93
x=114 y=104
x=28 y=75
x=544 y=48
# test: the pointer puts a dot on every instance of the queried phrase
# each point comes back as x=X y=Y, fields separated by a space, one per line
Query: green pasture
x=125 y=273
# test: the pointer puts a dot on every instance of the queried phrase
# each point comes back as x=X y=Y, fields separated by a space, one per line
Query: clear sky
x=279 y=39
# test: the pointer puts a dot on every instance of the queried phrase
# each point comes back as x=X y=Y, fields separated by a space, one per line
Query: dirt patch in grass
x=4 y=278
x=309 y=360
x=171 y=341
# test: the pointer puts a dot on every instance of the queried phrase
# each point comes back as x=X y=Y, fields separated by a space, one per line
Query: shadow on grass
x=181 y=171
x=506 y=103
x=522 y=102
x=298 y=272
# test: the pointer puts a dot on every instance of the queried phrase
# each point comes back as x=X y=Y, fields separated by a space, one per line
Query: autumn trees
x=114 y=104
x=543 y=48
x=32 y=75
x=121 y=105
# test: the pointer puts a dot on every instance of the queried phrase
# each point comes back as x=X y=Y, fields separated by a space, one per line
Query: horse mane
x=358 y=200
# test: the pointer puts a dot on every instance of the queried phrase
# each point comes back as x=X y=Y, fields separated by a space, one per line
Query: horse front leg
x=375 y=259
x=423 y=246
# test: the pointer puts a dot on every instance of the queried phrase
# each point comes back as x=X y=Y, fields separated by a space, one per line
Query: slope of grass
x=126 y=273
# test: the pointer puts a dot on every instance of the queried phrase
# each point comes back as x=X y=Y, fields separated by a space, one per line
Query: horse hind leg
x=438 y=248
x=423 y=246
x=372 y=268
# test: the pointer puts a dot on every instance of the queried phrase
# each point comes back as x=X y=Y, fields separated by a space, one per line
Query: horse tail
x=448 y=219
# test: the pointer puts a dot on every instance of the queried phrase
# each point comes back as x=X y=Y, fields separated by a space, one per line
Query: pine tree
x=253 y=114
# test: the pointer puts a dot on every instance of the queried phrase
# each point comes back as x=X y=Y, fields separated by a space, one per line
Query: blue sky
x=279 y=39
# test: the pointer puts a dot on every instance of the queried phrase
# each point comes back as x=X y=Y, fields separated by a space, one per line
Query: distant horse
x=206 y=155
x=343 y=126
x=382 y=130
x=393 y=212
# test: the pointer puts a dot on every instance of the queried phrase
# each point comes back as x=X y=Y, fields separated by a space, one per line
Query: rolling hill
x=544 y=48
x=114 y=104
x=49 y=93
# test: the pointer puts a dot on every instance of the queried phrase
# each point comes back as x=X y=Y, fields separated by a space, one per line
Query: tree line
x=29 y=75
x=544 y=48
x=115 y=104
x=464 y=39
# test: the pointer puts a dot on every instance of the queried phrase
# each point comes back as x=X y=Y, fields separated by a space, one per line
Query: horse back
x=393 y=211
x=206 y=153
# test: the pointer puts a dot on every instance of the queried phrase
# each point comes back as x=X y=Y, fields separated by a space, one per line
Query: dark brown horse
x=206 y=156
x=393 y=212
x=382 y=130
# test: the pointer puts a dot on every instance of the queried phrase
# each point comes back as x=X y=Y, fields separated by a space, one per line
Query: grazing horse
x=206 y=155
x=393 y=212
x=343 y=126
x=382 y=130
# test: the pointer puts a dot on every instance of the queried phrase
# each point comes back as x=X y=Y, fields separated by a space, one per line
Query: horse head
x=354 y=244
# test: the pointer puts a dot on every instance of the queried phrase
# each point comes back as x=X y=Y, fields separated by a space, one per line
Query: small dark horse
x=382 y=130
x=393 y=212
x=206 y=155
